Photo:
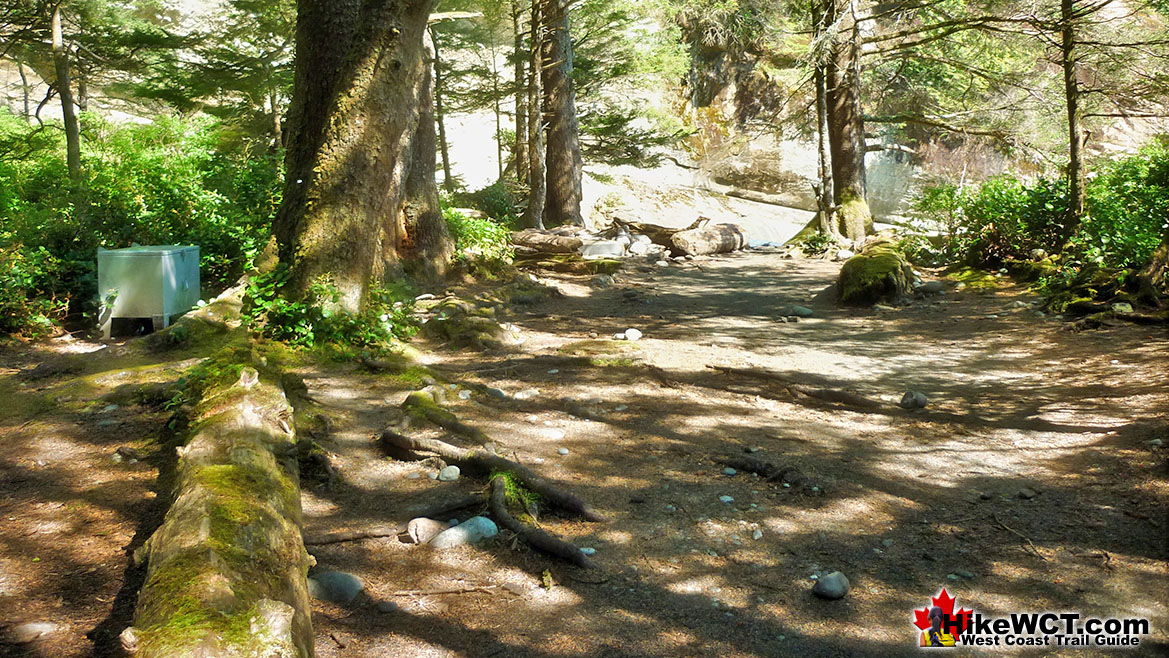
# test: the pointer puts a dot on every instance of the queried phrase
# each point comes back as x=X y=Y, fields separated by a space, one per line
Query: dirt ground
x=1030 y=483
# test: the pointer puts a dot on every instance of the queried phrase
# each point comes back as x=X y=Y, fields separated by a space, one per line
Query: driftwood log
x=541 y=539
x=712 y=239
x=226 y=570
x=486 y=463
x=657 y=234
x=546 y=243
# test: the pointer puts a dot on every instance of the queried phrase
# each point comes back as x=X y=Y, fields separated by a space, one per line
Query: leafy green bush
x=498 y=201
x=479 y=242
x=173 y=181
x=315 y=320
x=1006 y=218
x=26 y=309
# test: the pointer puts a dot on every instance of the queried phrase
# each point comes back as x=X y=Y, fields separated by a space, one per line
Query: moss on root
x=878 y=273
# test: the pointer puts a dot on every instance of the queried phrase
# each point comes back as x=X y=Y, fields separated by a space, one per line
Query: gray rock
x=30 y=631
x=387 y=607
x=1027 y=493
x=335 y=586
x=758 y=534
x=831 y=586
x=603 y=249
x=887 y=543
x=883 y=307
x=496 y=393
x=662 y=263
x=726 y=500
x=470 y=531
x=913 y=400
x=1156 y=443
x=1122 y=307
x=619 y=336
x=527 y=394
x=931 y=288
x=801 y=311
x=844 y=254
x=588 y=550
x=562 y=451
x=449 y=474
x=422 y=530
x=729 y=471
x=964 y=574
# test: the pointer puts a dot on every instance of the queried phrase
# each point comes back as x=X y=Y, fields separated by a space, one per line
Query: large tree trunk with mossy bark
x=565 y=164
x=360 y=163
x=846 y=129
x=226 y=570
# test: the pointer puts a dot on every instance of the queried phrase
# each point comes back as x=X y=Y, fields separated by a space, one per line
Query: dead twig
x=443 y=592
x=1020 y=535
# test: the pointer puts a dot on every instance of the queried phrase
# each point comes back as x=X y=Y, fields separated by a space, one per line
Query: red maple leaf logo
x=946 y=602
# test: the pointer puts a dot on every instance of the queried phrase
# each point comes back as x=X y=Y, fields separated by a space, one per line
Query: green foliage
x=26 y=307
x=816 y=244
x=1006 y=218
x=169 y=182
x=316 y=319
x=499 y=200
x=480 y=243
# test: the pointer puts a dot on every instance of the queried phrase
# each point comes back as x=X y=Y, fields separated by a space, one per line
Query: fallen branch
x=541 y=539
x=449 y=590
x=486 y=463
x=825 y=394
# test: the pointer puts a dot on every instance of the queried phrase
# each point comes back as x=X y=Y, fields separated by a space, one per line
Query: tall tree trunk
x=68 y=112
x=520 y=148
x=496 y=103
x=357 y=199
x=24 y=88
x=448 y=182
x=825 y=199
x=537 y=190
x=565 y=164
x=82 y=91
x=1071 y=85
x=846 y=130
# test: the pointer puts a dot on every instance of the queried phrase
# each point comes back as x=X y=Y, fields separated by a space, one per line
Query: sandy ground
x=903 y=503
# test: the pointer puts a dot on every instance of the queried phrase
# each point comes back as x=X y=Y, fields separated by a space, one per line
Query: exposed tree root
x=826 y=394
x=486 y=463
x=541 y=539
x=421 y=404
x=663 y=378
x=764 y=469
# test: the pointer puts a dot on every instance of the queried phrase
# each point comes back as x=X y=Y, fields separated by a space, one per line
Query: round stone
x=831 y=586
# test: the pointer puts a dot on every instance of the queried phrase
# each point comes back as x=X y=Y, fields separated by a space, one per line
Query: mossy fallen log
x=879 y=272
x=226 y=570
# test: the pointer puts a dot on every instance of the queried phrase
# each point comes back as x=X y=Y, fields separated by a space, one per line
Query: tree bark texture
x=565 y=163
x=65 y=92
x=360 y=201
x=226 y=573
x=1071 y=83
x=537 y=183
x=846 y=130
x=713 y=239
x=825 y=198
x=520 y=150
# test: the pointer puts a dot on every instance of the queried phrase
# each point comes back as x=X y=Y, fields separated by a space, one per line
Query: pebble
x=887 y=543
x=932 y=288
x=588 y=550
x=621 y=407
x=1122 y=307
x=726 y=500
x=432 y=475
x=883 y=307
x=1156 y=443
x=422 y=529
x=619 y=336
x=387 y=607
x=424 y=297
x=729 y=471
x=633 y=334
x=30 y=631
x=335 y=586
x=965 y=574
x=801 y=311
x=449 y=474
x=662 y=263
x=1027 y=493
x=414 y=476
x=844 y=254
x=527 y=394
x=554 y=371
x=468 y=532
x=562 y=451
x=831 y=586
x=758 y=534
x=464 y=394
x=496 y=393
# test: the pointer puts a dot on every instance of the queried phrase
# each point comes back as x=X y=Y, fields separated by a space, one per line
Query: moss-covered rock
x=879 y=272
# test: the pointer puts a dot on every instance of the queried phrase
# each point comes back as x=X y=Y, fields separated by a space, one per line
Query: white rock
x=30 y=631
x=449 y=474
x=562 y=451
x=527 y=394
x=468 y=532
x=844 y=254
x=726 y=500
x=633 y=334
